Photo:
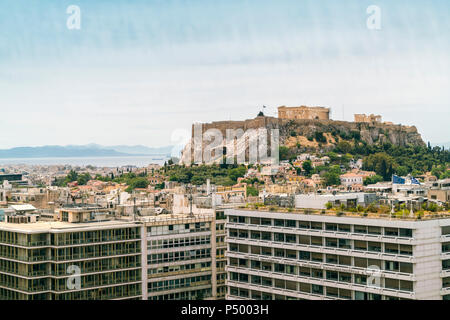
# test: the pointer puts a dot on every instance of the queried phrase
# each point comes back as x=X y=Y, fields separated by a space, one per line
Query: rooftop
x=402 y=215
x=57 y=226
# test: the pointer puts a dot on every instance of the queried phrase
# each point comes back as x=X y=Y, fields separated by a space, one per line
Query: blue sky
x=137 y=71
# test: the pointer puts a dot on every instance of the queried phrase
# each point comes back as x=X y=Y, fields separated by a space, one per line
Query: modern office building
x=221 y=248
x=293 y=255
x=62 y=260
x=179 y=257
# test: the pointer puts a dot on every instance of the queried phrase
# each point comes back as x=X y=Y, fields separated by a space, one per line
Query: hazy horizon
x=137 y=72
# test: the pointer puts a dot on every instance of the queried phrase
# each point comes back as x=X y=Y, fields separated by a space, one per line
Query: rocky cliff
x=316 y=134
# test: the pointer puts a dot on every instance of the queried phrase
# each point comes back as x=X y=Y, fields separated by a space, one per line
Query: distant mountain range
x=89 y=150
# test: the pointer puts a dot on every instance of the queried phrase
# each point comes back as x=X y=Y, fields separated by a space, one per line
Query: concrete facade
x=274 y=255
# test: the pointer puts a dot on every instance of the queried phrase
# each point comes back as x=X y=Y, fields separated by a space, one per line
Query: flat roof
x=58 y=226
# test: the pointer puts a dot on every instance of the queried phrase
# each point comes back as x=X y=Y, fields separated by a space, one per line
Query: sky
x=138 y=72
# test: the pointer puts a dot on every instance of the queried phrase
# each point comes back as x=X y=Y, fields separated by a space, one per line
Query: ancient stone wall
x=367 y=118
x=303 y=112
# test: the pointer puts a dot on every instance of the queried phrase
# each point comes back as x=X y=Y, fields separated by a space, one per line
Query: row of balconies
x=322 y=282
x=312 y=232
x=322 y=249
x=323 y=265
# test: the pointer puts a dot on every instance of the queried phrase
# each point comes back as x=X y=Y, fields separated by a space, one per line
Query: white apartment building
x=292 y=255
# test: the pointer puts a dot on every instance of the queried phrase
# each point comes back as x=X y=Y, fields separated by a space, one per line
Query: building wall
x=367 y=118
x=39 y=265
x=303 y=112
x=180 y=258
x=361 y=258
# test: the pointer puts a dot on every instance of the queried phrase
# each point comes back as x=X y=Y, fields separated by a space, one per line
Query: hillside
x=320 y=135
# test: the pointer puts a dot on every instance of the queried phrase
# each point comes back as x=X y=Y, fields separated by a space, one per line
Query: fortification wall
x=303 y=112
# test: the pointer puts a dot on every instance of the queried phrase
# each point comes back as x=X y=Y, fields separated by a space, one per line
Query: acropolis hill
x=298 y=127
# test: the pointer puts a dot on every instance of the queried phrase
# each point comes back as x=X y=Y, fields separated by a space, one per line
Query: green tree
x=372 y=180
x=283 y=153
x=252 y=191
x=307 y=166
x=381 y=163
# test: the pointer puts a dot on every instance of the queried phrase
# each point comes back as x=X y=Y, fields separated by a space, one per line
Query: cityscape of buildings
x=319 y=225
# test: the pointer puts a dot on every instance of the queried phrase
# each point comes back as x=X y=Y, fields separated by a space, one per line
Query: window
x=316 y=241
x=393 y=232
x=344 y=260
x=406 y=233
x=345 y=244
x=291 y=238
x=266 y=282
x=317 y=289
x=255 y=235
x=279 y=268
x=303 y=240
x=360 y=279
x=360 y=262
x=278 y=237
x=406 y=267
x=331 y=226
x=305 y=287
x=303 y=224
x=331 y=258
x=406 y=285
x=291 y=223
x=267 y=251
x=256 y=264
x=332 y=275
x=304 y=271
x=391 y=283
x=359 y=229
x=374 y=230
x=318 y=257
x=278 y=223
x=332 y=292
x=345 y=277
x=344 y=228
x=391 y=265
x=266 y=236
x=331 y=242
x=316 y=225
x=279 y=253
x=406 y=249
x=446 y=247
x=374 y=246
x=391 y=248
x=445 y=230
x=360 y=245
x=304 y=255
x=317 y=273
